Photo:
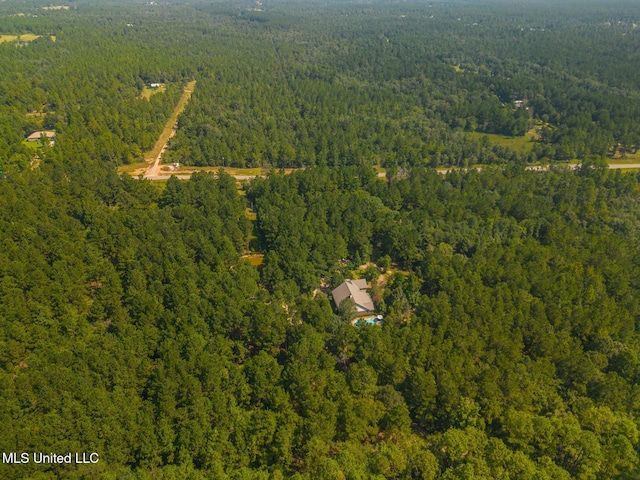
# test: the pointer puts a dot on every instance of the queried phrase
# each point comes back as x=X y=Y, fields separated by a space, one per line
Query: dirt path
x=155 y=154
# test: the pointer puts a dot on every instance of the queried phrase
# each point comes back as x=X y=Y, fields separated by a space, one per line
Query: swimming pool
x=377 y=320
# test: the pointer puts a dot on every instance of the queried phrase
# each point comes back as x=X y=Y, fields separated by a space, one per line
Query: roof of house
x=38 y=135
x=356 y=289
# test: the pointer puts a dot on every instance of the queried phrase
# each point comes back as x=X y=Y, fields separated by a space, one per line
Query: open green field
x=27 y=37
x=522 y=144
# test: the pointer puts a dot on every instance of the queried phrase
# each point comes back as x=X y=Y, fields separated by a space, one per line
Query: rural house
x=357 y=290
x=37 y=136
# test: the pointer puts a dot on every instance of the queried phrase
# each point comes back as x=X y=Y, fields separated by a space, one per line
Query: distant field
x=522 y=144
x=147 y=91
x=27 y=37
x=56 y=7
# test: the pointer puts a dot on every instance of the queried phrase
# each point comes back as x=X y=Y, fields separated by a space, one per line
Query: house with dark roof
x=356 y=290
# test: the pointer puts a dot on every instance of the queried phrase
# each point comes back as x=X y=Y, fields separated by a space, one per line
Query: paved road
x=618 y=166
x=186 y=176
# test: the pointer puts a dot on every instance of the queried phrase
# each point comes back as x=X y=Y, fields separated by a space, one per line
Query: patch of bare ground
x=254 y=259
x=35 y=162
x=324 y=288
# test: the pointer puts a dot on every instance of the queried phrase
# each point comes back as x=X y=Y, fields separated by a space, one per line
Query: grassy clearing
x=133 y=168
x=168 y=128
x=27 y=37
x=254 y=259
x=522 y=144
x=56 y=7
x=148 y=91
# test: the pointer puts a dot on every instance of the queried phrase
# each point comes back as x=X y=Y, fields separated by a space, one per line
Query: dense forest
x=134 y=325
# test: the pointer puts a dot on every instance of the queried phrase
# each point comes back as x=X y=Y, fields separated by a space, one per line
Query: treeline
x=363 y=86
x=325 y=85
x=85 y=85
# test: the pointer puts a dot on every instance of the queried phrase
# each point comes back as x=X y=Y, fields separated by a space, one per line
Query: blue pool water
x=369 y=321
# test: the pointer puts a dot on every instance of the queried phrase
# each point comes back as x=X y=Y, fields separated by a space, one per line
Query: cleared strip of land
x=153 y=156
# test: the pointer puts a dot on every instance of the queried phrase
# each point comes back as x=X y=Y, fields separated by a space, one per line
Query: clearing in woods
x=27 y=37
x=522 y=144
x=148 y=91
x=155 y=152
x=152 y=157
